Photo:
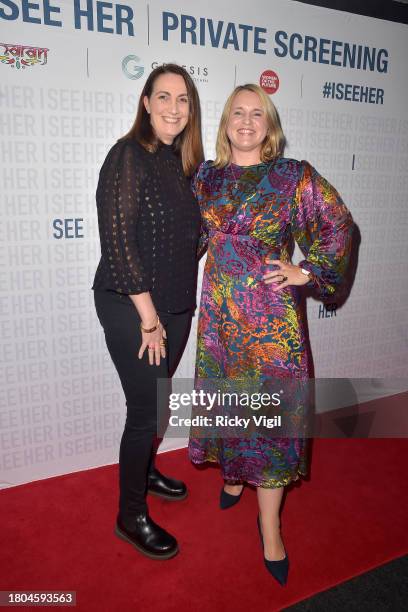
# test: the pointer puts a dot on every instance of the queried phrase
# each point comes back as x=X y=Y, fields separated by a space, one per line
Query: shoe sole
x=144 y=552
x=168 y=497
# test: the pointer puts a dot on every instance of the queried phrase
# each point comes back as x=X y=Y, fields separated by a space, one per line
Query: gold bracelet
x=151 y=329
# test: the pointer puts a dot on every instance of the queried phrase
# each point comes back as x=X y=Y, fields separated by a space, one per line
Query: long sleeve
x=197 y=186
x=118 y=199
x=322 y=227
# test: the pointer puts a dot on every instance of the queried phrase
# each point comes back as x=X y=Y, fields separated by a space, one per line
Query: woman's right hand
x=155 y=343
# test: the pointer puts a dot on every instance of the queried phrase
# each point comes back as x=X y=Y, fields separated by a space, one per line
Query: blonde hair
x=274 y=143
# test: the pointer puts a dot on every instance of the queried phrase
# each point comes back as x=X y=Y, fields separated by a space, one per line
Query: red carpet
x=58 y=534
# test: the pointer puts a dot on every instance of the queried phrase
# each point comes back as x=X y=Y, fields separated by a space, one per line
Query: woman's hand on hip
x=287 y=274
x=155 y=343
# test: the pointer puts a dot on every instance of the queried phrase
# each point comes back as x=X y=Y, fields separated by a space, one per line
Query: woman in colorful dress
x=254 y=203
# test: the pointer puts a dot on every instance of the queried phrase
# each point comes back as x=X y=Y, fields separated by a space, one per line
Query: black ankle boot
x=147 y=537
x=167 y=488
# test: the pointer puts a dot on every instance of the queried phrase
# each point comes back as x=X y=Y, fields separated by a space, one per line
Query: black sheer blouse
x=149 y=226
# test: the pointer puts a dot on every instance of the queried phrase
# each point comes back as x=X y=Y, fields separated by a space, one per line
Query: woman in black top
x=145 y=284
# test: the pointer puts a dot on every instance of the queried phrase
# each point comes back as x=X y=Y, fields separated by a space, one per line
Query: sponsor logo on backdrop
x=269 y=81
x=22 y=56
x=131 y=67
x=198 y=73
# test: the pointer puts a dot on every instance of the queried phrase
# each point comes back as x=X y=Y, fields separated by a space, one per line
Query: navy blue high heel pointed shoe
x=227 y=500
x=278 y=569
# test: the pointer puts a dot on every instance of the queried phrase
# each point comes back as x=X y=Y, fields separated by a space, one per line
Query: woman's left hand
x=288 y=274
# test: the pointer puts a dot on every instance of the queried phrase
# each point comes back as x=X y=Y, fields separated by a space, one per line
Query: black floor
x=384 y=589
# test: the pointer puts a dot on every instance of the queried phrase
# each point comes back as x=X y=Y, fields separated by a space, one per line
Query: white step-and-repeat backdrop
x=71 y=74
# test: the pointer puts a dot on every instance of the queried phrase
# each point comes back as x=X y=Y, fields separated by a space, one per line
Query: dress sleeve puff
x=322 y=227
x=119 y=198
x=197 y=183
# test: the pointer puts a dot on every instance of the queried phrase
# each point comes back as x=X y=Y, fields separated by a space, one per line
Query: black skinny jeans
x=121 y=323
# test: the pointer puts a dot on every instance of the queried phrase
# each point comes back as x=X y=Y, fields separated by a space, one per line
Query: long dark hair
x=189 y=142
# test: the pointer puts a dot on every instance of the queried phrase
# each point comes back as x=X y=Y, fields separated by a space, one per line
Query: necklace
x=244 y=191
x=234 y=176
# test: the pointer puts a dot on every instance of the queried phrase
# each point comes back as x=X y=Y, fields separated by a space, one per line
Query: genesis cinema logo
x=131 y=67
x=269 y=81
x=22 y=56
x=199 y=74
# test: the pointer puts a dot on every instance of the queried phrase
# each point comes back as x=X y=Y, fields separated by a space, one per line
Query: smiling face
x=168 y=106
x=247 y=126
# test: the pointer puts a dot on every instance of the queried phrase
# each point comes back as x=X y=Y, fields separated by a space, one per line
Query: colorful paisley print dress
x=245 y=328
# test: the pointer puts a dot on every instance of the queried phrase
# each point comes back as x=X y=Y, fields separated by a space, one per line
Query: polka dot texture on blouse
x=149 y=226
